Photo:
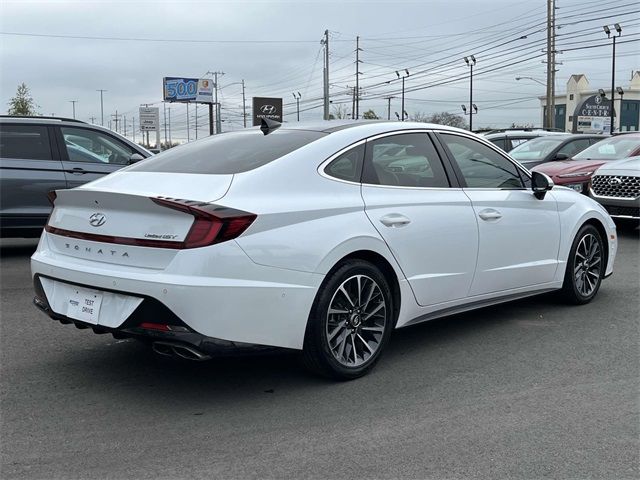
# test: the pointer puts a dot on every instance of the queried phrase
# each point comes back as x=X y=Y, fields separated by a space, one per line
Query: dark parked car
x=40 y=154
x=553 y=147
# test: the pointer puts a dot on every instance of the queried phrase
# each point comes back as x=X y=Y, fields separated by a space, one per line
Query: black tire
x=591 y=270
x=317 y=354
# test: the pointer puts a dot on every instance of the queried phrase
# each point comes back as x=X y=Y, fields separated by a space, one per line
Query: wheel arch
x=599 y=226
x=384 y=266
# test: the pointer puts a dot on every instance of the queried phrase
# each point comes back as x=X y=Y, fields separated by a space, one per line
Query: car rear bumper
x=219 y=294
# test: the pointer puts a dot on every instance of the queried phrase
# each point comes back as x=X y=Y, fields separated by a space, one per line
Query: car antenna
x=267 y=125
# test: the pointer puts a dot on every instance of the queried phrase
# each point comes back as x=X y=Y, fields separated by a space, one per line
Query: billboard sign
x=265 y=107
x=593 y=115
x=179 y=89
x=149 y=119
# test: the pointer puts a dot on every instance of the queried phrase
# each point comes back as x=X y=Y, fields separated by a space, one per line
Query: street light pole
x=298 y=97
x=73 y=102
x=101 y=107
x=471 y=61
x=402 y=103
x=607 y=30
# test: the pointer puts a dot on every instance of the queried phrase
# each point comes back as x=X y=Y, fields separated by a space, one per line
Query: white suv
x=616 y=185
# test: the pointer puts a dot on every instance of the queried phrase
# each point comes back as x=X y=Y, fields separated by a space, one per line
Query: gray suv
x=40 y=154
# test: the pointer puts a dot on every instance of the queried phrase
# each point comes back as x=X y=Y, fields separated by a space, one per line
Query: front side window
x=406 y=160
x=84 y=145
x=574 y=147
x=29 y=142
x=347 y=166
x=536 y=149
x=480 y=165
x=613 y=148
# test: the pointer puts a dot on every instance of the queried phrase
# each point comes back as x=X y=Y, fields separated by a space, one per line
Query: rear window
x=24 y=142
x=228 y=153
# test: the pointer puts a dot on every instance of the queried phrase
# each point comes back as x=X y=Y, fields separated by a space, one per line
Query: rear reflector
x=212 y=224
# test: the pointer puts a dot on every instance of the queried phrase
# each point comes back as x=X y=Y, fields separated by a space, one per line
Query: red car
x=576 y=172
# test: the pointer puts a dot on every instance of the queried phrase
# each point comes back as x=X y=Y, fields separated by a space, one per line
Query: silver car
x=616 y=186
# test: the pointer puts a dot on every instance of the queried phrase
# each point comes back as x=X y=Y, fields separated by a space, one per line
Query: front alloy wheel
x=350 y=322
x=585 y=266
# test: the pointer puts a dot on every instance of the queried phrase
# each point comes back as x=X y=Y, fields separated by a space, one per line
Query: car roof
x=38 y=119
x=521 y=133
x=365 y=127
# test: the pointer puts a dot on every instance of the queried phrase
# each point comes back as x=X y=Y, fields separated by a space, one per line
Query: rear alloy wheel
x=585 y=267
x=350 y=322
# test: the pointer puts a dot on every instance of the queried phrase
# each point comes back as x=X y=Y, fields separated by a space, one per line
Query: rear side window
x=406 y=160
x=500 y=143
x=347 y=166
x=228 y=153
x=25 y=141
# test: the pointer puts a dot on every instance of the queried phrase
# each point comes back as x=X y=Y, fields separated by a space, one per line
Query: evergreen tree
x=22 y=104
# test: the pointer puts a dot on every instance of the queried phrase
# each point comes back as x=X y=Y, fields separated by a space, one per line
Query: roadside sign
x=149 y=119
x=179 y=89
x=265 y=107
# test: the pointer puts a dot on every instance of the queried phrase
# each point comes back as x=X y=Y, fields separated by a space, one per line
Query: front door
x=429 y=226
x=519 y=234
x=89 y=154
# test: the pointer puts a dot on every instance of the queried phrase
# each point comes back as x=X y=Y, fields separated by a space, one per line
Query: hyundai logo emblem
x=615 y=181
x=97 y=219
x=268 y=109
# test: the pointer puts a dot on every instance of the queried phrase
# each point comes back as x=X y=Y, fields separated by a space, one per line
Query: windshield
x=536 y=149
x=614 y=148
x=228 y=153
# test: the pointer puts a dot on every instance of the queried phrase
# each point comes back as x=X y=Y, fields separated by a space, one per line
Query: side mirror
x=540 y=184
x=561 y=156
x=135 y=157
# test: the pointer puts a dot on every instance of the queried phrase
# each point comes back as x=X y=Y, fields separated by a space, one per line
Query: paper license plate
x=575 y=186
x=84 y=304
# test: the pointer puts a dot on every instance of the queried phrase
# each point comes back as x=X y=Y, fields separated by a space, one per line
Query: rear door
x=88 y=154
x=519 y=234
x=30 y=167
x=427 y=222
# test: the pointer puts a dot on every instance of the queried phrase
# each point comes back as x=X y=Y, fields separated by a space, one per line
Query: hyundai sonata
x=319 y=237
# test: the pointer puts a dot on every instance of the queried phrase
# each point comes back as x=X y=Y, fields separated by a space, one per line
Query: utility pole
x=93 y=119
x=551 y=65
x=244 y=106
x=357 y=91
x=164 y=114
x=388 y=99
x=196 y=121
x=73 y=102
x=325 y=42
x=133 y=127
x=101 y=107
x=353 y=104
x=170 y=141
x=188 y=138
x=406 y=71
x=124 y=118
x=116 y=119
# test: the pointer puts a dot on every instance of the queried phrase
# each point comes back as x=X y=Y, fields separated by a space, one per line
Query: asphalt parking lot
x=531 y=389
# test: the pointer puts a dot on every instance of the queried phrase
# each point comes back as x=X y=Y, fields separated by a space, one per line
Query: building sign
x=149 y=119
x=593 y=115
x=177 y=89
x=264 y=107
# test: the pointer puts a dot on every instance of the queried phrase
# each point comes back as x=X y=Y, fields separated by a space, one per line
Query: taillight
x=212 y=223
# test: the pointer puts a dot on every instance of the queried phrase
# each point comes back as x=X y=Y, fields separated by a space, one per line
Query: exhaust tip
x=181 y=351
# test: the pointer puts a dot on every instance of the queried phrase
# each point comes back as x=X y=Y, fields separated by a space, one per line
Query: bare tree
x=441 y=118
x=339 y=112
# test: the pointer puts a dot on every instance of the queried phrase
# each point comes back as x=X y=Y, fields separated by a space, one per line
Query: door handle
x=77 y=171
x=395 y=220
x=490 y=214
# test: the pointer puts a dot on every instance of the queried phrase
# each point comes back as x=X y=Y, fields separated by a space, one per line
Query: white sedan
x=317 y=237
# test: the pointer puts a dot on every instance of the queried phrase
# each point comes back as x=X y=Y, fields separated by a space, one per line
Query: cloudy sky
x=66 y=50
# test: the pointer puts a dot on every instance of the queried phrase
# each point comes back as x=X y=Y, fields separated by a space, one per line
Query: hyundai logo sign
x=97 y=219
x=266 y=108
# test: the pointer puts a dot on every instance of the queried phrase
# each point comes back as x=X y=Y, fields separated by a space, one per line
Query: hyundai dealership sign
x=264 y=107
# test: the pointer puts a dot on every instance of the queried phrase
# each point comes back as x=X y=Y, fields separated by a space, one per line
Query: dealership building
x=584 y=108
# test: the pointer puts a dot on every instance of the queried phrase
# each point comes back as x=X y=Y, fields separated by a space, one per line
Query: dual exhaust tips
x=179 y=350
